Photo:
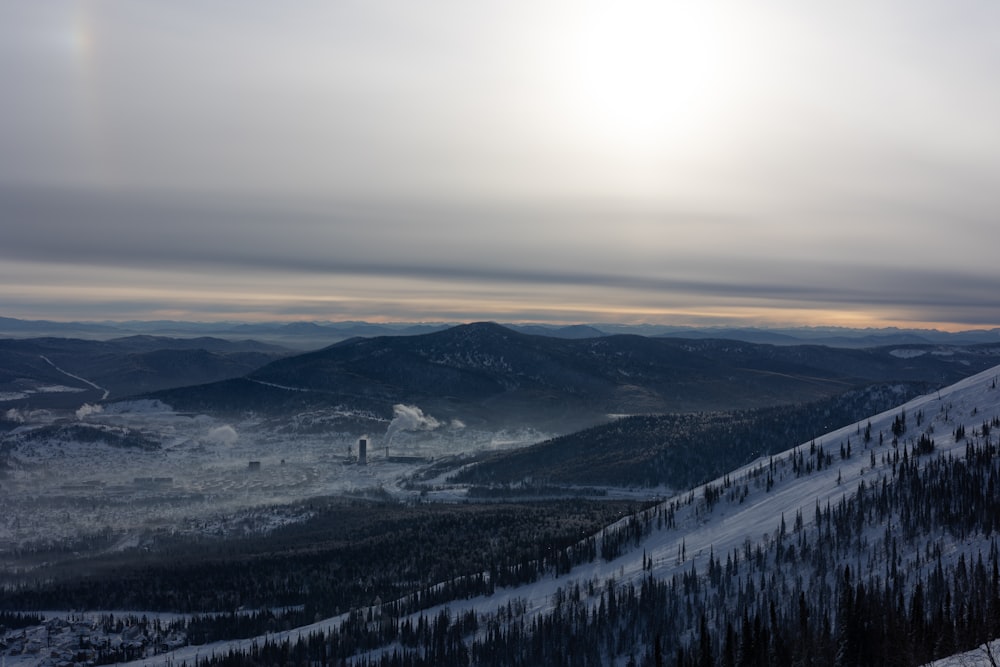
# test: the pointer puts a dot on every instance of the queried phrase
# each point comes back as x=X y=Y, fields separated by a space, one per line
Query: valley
x=70 y=483
x=252 y=535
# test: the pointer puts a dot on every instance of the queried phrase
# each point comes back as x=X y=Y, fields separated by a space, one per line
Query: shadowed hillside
x=675 y=450
x=67 y=372
x=488 y=375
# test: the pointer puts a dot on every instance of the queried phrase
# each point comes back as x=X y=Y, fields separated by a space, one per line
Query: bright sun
x=649 y=76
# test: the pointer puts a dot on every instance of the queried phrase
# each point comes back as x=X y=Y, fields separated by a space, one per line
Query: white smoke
x=409 y=418
x=222 y=435
x=87 y=409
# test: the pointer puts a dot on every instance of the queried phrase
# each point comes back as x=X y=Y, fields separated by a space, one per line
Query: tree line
x=902 y=570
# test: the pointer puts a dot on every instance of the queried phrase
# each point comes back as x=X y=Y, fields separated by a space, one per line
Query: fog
x=137 y=472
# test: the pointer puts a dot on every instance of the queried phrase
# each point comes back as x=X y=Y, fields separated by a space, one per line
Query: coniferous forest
x=903 y=570
x=876 y=544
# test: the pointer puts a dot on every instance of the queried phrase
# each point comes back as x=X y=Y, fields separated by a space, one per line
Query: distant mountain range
x=854 y=338
x=488 y=375
x=313 y=335
x=483 y=375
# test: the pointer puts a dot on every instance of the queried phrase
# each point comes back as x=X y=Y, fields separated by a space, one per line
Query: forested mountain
x=874 y=544
x=67 y=372
x=846 y=550
x=674 y=450
x=487 y=375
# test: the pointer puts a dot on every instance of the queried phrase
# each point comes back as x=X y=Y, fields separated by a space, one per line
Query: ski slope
x=701 y=529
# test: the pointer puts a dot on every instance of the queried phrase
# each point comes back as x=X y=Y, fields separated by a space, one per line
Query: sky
x=775 y=163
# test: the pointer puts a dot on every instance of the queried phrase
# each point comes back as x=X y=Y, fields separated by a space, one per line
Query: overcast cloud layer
x=682 y=163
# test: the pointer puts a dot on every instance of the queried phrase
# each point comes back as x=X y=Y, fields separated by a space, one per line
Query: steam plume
x=222 y=435
x=87 y=409
x=409 y=418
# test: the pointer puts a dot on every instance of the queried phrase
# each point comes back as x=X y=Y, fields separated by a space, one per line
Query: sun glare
x=645 y=76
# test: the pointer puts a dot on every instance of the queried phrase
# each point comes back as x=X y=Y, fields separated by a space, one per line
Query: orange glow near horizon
x=70 y=293
x=300 y=308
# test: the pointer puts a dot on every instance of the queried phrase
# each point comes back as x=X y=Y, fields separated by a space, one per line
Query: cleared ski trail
x=77 y=377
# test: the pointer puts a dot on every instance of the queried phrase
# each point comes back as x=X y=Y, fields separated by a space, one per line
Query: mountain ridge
x=304 y=335
x=485 y=373
x=67 y=372
x=821 y=554
x=872 y=543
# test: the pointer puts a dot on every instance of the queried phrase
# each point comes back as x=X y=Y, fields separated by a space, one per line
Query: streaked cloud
x=570 y=161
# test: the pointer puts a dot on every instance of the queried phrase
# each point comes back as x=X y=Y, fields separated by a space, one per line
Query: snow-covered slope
x=986 y=655
x=796 y=543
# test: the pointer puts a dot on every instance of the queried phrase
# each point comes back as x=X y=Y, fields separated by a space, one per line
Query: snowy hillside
x=873 y=544
x=769 y=544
